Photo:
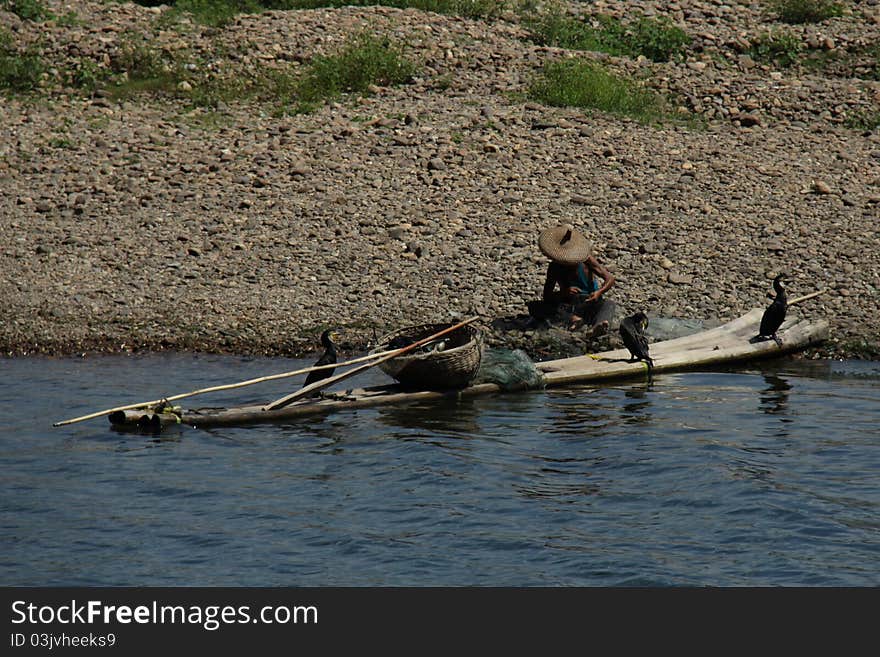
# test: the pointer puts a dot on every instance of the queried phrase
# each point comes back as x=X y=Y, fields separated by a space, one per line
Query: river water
x=762 y=476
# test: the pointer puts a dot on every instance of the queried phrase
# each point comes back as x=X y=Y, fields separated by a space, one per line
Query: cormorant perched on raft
x=774 y=315
x=632 y=331
x=328 y=357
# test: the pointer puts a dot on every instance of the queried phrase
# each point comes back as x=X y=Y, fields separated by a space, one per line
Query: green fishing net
x=509 y=369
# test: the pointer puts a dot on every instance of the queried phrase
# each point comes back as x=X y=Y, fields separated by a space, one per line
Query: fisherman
x=575 y=271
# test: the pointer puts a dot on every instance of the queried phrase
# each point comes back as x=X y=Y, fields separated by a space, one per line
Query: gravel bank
x=144 y=224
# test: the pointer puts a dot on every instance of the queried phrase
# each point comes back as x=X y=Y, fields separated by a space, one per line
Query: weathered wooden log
x=142 y=420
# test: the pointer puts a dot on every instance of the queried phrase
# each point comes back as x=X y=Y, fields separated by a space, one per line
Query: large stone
x=820 y=187
x=680 y=279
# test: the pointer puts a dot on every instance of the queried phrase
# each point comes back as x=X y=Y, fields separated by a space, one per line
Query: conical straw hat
x=564 y=245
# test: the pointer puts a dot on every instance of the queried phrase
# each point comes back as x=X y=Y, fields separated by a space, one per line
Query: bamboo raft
x=723 y=345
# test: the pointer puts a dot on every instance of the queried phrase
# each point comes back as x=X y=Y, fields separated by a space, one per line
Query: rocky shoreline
x=144 y=224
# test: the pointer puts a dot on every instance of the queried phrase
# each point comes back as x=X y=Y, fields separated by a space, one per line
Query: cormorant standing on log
x=774 y=315
x=328 y=357
x=632 y=331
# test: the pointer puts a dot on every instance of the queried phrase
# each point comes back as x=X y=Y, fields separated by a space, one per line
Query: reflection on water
x=565 y=493
x=637 y=408
x=579 y=410
x=456 y=417
x=759 y=476
x=774 y=398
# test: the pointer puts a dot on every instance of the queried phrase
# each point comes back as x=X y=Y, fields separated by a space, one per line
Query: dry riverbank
x=144 y=223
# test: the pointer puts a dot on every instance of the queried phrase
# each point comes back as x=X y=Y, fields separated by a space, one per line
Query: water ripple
x=751 y=477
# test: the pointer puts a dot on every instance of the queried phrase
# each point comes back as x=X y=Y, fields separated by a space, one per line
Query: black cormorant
x=327 y=358
x=774 y=315
x=632 y=331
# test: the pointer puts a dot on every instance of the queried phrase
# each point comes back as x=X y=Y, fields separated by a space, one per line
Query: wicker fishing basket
x=451 y=361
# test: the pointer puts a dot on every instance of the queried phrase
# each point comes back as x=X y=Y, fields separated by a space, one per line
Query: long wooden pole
x=317 y=385
x=227 y=386
x=806 y=296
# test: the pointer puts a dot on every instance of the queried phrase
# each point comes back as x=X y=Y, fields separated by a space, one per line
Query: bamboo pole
x=227 y=386
x=806 y=296
x=318 y=385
